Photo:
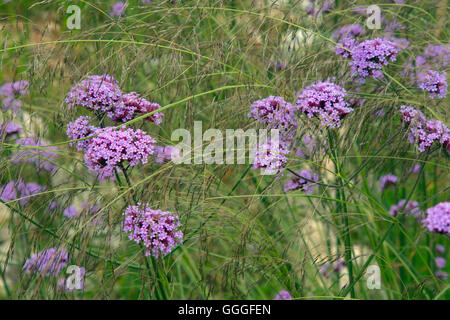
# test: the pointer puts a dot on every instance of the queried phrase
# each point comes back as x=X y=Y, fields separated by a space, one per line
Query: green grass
x=244 y=237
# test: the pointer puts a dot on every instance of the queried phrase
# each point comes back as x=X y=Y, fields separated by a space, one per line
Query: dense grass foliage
x=244 y=234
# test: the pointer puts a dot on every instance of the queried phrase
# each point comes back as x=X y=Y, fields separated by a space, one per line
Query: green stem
x=342 y=208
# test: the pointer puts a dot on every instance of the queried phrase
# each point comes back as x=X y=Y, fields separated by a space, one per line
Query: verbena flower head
x=345 y=47
x=386 y=181
x=9 y=129
x=360 y=11
x=270 y=156
x=438 y=218
x=437 y=56
x=134 y=105
x=71 y=212
x=113 y=146
x=10 y=92
x=348 y=31
x=47 y=262
x=42 y=158
x=159 y=231
x=324 y=100
x=304 y=182
x=411 y=115
x=164 y=154
x=118 y=9
x=369 y=56
x=14 y=89
x=440 y=262
x=424 y=132
x=12 y=104
x=80 y=129
x=416 y=168
x=97 y=92
x=27 y=190
x=411 y=208
x=440 y=249
x=433 y=82
x=8 y=192
x=276 y=113
x=14 y=190
x=53 y=206
x=283 y=295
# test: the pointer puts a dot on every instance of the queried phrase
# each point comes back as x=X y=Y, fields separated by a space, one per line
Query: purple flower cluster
x=164 y=154
x=113 y=146
x=386 y=181
x=41 y=158
x=47 y=262
x=411 y=208
x=159 y=231
x=348 y=31
x=132 y=105
x=440 y=249
x=9 y=129
x=336 y=267
x=27 y=190
x=369 y=56
x=434 y=57
x=302 y=181
x=102 y=94
x=8 y=192
x=118 y=9
x=326 y=101
x=315 y=11
x=411 y=115
x=97 y=92
x=437 y=56
x=276 y=113
x=283 y=295
x=438 y=218
x=10 y=92
x=440 y=262
x=424 y=132
x=270 y=156
x=22 y=190
x=80 y=129
x=345 y=47
x=71 y=212
x=433 y=82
